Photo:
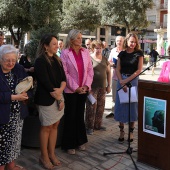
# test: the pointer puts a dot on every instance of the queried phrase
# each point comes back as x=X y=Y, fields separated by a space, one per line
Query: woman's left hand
x=108 y=89
x=61 y=106
x=57 y=93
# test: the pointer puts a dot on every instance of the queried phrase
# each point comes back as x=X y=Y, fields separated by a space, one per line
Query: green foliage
x=44 y=12
x=36 y=36
x=128 y=13
x=79 y=15
x=15 y=14
x=21 y=16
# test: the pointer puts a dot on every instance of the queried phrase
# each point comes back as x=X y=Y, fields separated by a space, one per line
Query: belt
x=127 y=75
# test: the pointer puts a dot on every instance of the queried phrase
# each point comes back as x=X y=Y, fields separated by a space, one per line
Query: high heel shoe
x=55 y=161
x=122 y=133
x=46 y=165
x=131 y=135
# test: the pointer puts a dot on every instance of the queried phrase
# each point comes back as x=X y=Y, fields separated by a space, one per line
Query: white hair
x=119 y=36
x=6 y=49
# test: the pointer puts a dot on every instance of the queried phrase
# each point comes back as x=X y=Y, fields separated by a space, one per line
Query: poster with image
x=154 y=116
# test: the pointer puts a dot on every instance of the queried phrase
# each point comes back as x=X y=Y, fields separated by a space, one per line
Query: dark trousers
x=74 y=133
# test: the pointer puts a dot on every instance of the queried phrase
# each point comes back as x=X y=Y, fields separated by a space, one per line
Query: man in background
x=87 y=44
x=1 y=38
x=106 y=50
x=60 y=47
x=153 y=59
x=113 y=61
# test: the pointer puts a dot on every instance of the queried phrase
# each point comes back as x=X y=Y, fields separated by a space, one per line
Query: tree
x=14 y=15
x=45 y=18
x=21 y=16
x=80 y=15
x=127 y=13
x=45 y=12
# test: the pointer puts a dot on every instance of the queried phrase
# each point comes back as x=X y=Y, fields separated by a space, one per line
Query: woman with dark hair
x=129 y=65
x=79 y=74
x=25 y=61
x=51 y=82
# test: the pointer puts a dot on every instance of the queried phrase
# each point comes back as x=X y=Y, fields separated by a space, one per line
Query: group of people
x=63 y=85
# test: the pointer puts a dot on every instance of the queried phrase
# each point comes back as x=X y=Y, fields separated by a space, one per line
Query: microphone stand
x=129 y=150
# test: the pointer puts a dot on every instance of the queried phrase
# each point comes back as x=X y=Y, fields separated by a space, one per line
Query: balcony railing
x=157 y=25
x=162 y=6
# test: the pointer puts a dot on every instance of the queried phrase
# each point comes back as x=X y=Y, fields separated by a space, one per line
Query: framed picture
x=154 y=116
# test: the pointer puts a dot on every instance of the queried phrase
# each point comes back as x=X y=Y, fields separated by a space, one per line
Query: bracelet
x=59 y=101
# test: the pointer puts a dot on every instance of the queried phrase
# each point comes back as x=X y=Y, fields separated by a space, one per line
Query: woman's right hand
x=20 y=97
x=80 y=90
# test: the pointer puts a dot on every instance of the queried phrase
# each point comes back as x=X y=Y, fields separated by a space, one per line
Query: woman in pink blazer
x=79 y=76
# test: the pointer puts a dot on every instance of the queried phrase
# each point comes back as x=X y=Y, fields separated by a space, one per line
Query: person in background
x=1 y=38
x=60 y=47
x=113 y=62
x=100 y=86
x=87 y=44
x=51 y=82
x=25 y=61
x=168 y=50
x=148 y=51
x=79 y=76
x=153 y=58
x=129 y=65
x=12 y=108
x=106 y=50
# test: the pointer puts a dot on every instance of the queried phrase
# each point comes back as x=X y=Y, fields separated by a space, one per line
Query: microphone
x=164 y=57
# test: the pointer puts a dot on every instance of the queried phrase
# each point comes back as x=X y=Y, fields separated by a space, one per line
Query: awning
x=148 y=41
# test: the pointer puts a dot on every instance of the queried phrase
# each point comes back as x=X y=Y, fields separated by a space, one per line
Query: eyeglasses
x=9 y=61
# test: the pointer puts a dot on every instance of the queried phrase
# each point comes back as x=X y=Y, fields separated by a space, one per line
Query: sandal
x=122 y=133
x=46 y=165
x=131 y=135
x=55 y=161
x=16 y=167
x=71 y=151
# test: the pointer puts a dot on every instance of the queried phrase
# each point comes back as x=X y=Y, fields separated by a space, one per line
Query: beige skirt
x=49 y=115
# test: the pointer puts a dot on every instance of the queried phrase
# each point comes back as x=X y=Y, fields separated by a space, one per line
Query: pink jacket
x=71 y=70
x=165 y=73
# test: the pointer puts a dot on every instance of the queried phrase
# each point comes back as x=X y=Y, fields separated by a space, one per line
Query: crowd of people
x=71 y=75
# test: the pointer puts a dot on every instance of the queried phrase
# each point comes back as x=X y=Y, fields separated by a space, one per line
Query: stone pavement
x=99 y=142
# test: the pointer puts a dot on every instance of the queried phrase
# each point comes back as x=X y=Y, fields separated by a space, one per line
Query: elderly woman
x=100 y=86
x=12 y=108
x=79 y=75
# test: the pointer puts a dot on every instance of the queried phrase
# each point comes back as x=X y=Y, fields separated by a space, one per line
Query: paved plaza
x=98 y=143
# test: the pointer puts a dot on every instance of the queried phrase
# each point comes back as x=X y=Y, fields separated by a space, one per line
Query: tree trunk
x=16 y=36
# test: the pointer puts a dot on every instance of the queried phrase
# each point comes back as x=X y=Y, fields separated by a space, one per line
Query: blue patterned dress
x=10 y=133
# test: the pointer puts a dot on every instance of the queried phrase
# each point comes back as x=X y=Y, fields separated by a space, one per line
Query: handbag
x=24 y=85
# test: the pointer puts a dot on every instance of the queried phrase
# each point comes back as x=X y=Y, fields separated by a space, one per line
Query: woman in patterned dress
x=12 y=108
x=100 y=86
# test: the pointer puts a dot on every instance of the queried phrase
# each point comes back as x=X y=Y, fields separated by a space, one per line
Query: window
x=102 y=31
x=152 y=19
x=165 y=20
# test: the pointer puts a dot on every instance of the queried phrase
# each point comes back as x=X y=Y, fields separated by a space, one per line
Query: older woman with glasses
x=12 y=108
x=100 y=86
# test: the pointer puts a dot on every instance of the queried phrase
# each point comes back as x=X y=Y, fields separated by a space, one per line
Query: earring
x=46 y=50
